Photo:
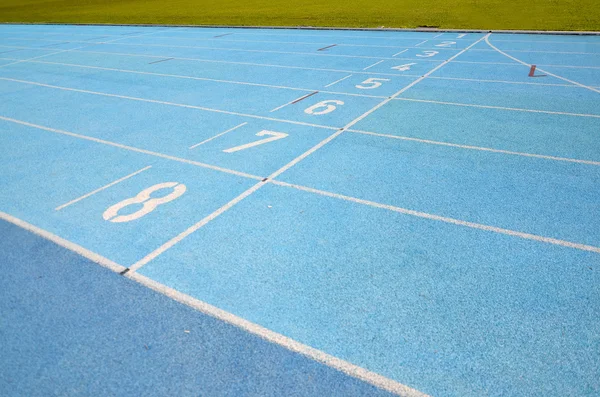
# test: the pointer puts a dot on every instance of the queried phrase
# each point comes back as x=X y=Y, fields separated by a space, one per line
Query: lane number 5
x=371 y=83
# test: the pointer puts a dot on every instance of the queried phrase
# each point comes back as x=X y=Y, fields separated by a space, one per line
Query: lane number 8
x=148 y=204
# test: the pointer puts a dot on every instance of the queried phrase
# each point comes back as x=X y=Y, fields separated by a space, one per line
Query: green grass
x=472 y=14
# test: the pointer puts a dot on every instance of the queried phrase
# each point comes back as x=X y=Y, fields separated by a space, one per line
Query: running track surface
x=296 y=212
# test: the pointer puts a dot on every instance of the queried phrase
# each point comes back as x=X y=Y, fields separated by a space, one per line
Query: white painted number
x=274 y=136
x=404 y=68
x=148 y=204
x=371 y=83
x=428 y=54
x=446 y=44
x=326 y=105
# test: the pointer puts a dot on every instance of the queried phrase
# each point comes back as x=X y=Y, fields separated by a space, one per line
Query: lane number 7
x=273 y=136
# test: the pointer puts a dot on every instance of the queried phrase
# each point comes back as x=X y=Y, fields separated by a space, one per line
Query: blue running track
x=236 y=212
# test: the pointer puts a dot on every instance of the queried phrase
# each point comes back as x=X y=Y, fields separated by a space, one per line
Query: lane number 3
x=148 y=204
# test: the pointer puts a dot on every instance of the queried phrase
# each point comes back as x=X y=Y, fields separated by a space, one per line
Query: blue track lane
x=71 y=327
x=432 y=215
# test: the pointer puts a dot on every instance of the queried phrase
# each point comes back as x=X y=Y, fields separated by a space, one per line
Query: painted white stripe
x=279 y=339
x=370 y=66
x=234 y=62
x=38 y=57
x=541 y=70
x=179 y=76
x=290 y=102
x=437 y=35
x=337 y=81
x=255 y=329
x=513 y=64
x=218 y=135
x=398 y=53
x=131 y=148
x=94 y=257
x=194 y=227
x=503 y=81
x=541 y=52
x=257 y=186
x=60 y=207
x=499 y=107
x=230 y=40
x=453 y=221
x=167 y=103
x=423 y=42
x=484 y=149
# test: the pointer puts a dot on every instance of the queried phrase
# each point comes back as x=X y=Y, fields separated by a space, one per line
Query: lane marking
x=234 y=62
x=346 y=367
x=168 y=103
x=154 y=254
x=78 y=249
x=473 y=225
x=160 y=60
x=541 y=70
x=60 y=207
x=438 y=35
x=483 y=149
x=223 y=35
x=513 y=64
x=337 y=81
x=218 y=135
x=499 y=107
x=370 y=66
x=324 y=48
x=178 y=76
x=293 y=102
x=236 y=41
x=133 y=149
x=169 y=244
x=542 y=52
x=423 y=42
x=401 y=52
x=504 y=81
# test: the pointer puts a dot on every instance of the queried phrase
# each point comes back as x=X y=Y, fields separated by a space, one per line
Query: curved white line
x=541 y=70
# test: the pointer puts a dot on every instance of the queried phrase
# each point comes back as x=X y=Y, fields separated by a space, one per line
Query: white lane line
x=513 y=64
x=541 y=70
x=473 y=225
x=167 y=103
x=203 y=307
x=94 y=257
x=218 y=135
x=314 y=54
x=152 y=255
x=346 y=367
x=230 y=40
x=483 y=149
x=239 y=63
x=503 y=81
x=437 y=35
x=41 y=56
x=60 y=207
x=337 y=81
x=541 y=52
x=370 y=66
x=499 y=107
x=423 y=42
x=179 y=76
x=133 y=149
x=293 y=101
x=281 y=170
x=401 y=52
